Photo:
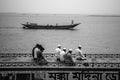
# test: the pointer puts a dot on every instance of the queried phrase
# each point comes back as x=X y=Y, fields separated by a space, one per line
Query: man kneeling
x=79 y=54
x=68 y=58
x=38 y=55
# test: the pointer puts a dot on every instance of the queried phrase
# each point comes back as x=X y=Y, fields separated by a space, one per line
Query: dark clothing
x=41 y=48
x=58 y=59
x=33 y=52
x=40 y=58
x=37 y=46
x=68 y=59
x=80 y=58
x=40 y=55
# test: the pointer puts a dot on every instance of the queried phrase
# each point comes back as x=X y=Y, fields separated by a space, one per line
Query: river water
x=96 y=34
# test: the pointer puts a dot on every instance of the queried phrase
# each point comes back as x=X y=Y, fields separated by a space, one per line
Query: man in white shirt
x=62 y=53
x=58 y=51
x=35 y=51
x=79 y=54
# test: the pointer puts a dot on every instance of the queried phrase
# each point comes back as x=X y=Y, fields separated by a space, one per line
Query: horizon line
x=62 y=13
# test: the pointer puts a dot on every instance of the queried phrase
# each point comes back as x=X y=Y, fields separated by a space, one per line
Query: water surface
x=97 y=35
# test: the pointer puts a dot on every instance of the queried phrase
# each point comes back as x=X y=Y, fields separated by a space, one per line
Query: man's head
x=70 y=50
x=64 y=49
x=39 y=46
x=79 y=46
x=59 y=46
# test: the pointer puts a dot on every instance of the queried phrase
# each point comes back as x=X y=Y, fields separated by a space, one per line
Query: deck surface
x=21 y=66
x=93 y=60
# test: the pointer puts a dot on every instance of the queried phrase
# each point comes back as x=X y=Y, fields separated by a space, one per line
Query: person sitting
x=38 y=54
x=35 y=50
x=57 y=52
x=68 y=58
x=41 y=59
x=62 y=53
x=79 y=54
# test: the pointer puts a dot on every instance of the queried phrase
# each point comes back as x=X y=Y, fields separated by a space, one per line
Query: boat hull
x=28 y=26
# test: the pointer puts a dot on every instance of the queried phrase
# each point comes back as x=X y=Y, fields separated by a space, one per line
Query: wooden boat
x=37 y=26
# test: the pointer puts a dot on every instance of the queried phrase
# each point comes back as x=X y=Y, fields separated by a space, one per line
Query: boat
x=37 y=26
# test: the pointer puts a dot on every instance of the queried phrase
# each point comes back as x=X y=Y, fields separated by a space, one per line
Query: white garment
x=79 y=53
x=58 y=51
x=62 y=53
x=36 y=50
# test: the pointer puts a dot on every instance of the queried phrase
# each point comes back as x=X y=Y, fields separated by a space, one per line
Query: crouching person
x=57 y=52
x=38 y=55
x=79 y=54
x=62 y=53
x=35 y=50
x=68 y=60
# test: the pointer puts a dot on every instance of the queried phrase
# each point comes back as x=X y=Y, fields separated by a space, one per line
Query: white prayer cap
x=64 y=48
x=59 y=45
x=70 y=49
x=79 y=46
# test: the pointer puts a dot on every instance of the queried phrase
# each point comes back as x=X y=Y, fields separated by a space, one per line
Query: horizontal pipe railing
x=52 y=54
x=57 y=64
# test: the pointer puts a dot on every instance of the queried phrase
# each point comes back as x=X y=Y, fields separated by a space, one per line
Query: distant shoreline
x=96 y=15
x=105 y=15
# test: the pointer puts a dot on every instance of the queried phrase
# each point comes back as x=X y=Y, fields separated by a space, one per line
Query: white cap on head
x=70 y=49
x=64 y=48
x=79 y=46
x=59 y=45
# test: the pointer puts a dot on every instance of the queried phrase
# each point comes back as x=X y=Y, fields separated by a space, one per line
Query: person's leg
x=78 y=58
x=57 y=59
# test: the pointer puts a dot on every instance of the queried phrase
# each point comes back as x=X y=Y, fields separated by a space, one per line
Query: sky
x=111 y=7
